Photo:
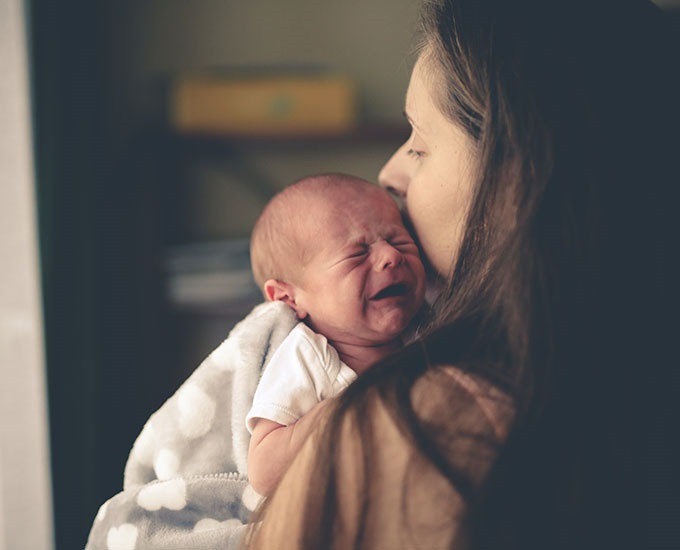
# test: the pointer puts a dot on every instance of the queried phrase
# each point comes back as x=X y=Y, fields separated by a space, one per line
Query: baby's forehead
x=345 y=224
x=369 y=201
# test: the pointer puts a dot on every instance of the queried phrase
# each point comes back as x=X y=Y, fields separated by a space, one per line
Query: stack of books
x=211 y=276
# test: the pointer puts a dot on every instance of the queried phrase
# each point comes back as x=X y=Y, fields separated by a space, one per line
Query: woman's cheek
x=434 y=253
x=426 y=235
x=422 y=211
x=436 y=225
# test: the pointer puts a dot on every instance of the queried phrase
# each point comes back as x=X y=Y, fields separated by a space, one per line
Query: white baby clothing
x=303 y=371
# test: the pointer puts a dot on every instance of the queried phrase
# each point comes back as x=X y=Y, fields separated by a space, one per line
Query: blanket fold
x=185 y=482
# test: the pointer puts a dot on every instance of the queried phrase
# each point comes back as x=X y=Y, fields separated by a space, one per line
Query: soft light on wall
x=25 y=496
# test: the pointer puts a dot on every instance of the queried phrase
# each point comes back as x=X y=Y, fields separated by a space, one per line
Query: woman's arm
x=369 y=482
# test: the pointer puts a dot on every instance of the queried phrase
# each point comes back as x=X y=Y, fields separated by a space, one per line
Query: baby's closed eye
x=358 y=253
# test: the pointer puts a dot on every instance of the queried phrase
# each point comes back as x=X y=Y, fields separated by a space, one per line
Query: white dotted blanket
x=185 y=484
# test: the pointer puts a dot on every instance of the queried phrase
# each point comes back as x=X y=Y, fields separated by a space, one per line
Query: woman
x=536 y=410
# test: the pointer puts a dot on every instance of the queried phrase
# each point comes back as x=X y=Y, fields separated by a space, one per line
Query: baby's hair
x=279 y=246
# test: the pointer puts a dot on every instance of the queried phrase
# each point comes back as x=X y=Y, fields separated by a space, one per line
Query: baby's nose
x=386 y=256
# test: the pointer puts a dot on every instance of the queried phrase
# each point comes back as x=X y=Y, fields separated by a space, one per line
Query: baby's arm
x=273 y=446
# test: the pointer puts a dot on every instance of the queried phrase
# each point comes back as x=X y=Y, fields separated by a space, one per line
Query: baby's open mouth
x=399 y=289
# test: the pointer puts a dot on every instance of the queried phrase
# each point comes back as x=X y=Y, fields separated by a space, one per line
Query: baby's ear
x=283 y=292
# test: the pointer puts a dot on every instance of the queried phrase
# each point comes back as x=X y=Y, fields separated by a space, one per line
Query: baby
x=332 y=247
x=333 y=250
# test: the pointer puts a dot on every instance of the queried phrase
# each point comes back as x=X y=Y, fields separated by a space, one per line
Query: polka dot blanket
x=185 y=483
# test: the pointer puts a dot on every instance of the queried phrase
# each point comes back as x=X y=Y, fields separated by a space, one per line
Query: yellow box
x=264 y=106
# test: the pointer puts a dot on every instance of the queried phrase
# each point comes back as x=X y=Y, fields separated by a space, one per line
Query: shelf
x=236 y=149
x=374 y=133
x=223 y=310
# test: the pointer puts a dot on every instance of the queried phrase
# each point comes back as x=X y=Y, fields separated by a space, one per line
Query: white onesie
x=303 y=371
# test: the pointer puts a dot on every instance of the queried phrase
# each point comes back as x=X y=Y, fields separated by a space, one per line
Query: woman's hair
x=565 y=264
x=561 y=290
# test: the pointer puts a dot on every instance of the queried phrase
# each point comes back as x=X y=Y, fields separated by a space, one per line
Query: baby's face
x=364 y=281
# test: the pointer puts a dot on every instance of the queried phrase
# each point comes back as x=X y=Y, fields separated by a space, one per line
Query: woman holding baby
x=537 y=408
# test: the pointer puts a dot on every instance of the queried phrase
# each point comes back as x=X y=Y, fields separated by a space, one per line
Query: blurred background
x=143 y=210
x=144 y=222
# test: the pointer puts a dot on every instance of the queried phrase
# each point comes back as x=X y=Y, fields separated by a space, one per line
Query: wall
x=25 y=498
x=370 y=41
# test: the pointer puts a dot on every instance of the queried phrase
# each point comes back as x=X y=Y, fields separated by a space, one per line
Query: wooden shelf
x=374 y=133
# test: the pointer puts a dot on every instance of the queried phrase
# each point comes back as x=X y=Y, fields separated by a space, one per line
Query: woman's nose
x=394 y=175
x=386 y=256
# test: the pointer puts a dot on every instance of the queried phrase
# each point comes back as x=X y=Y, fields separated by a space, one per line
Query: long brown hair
x=561 y=293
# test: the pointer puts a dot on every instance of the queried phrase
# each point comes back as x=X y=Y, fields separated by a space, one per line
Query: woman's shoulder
x=465 y=416
x=437 y=462
x=418 y=473
x=466 y=396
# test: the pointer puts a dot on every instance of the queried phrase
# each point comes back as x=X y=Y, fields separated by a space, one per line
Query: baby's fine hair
x=279 y=246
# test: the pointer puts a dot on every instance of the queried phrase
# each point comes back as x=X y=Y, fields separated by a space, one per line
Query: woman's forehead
x=419 y=105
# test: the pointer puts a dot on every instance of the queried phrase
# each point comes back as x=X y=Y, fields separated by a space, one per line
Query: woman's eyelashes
x=415 y=153
x=416 y=147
